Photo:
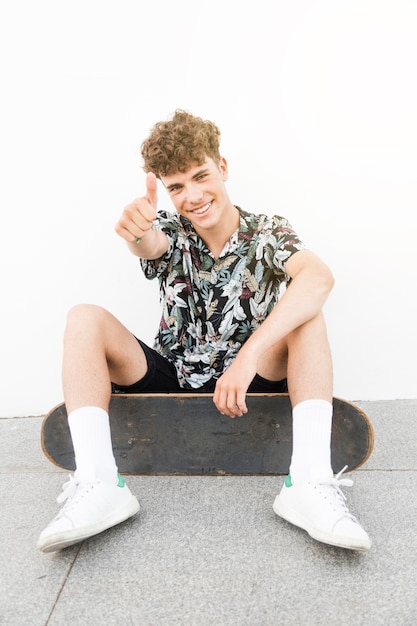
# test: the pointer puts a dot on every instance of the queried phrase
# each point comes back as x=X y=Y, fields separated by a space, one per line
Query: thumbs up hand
x=138 y=216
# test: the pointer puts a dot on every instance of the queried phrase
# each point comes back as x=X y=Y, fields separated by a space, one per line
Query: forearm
x=302 y=301
x=152 y=245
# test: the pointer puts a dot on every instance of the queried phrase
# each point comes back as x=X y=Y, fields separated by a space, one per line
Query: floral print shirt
x=211 y=306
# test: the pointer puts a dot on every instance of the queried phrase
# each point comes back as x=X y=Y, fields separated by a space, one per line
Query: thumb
x=151 y=189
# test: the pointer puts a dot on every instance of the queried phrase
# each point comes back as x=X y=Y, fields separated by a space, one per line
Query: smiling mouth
x=203 y=209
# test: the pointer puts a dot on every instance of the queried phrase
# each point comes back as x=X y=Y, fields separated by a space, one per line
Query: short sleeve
x=276 y=242
x=169 y=224
x=287 y=242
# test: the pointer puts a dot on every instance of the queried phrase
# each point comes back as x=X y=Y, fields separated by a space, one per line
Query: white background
x=317 y=104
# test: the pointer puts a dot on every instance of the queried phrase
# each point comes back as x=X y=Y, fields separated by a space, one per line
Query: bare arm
x=310 y=286
x=304 y=298
x=135 y=225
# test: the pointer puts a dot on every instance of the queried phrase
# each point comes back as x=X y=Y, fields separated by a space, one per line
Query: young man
x=227 y=327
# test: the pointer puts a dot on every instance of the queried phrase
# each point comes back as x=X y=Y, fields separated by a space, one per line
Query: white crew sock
x=312 y=429
x=91 y=438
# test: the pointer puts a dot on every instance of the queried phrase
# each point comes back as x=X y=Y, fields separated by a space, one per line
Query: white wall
x=317 y=104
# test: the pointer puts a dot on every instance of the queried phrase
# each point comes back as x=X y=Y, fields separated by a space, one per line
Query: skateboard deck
x=184 y=434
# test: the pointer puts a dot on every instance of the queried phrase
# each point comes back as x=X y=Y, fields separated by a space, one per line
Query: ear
x=223 y=168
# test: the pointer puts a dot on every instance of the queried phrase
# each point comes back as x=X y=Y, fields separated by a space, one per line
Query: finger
x=226 y=400
x=229 y=403
x=241 y=402
x=151 y=189
x=220 y=399
x=233 y=409
x=140 y=214
x=124 y=232
x=133 y=223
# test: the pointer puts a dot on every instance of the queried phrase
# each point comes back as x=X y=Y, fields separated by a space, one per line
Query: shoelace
x=68 y=489
x=337 y=482
x=341 y=482
x=72 y=492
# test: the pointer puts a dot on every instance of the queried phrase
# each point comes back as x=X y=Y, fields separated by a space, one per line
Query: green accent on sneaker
x=288 y=482
x=121 y=482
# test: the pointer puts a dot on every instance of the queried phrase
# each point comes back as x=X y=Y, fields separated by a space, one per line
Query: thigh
x=95 y=339
x=273 y=364
x=160 y=376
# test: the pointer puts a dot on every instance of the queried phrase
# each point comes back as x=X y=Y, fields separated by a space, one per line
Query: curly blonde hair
x=175 y=145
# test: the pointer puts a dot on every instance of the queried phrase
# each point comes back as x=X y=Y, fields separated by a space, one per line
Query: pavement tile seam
x=211 y=575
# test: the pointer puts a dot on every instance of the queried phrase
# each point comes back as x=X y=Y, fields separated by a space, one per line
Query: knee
x=83 y=316
x=313 y=328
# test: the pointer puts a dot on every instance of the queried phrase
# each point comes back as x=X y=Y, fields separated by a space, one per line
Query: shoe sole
x=296 y=519
x=52 y=543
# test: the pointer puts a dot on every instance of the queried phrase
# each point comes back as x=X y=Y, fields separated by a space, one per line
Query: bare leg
x=311 y=497
x=98 y=349
x=310 y=370
x=304 y=358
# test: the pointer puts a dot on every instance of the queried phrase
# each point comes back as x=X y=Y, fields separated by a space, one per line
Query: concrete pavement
x=209 y=551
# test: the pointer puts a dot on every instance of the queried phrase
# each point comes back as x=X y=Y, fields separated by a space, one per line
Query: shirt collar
x=230 y=245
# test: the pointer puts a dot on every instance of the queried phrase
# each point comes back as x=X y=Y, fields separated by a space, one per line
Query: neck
x=216 y=238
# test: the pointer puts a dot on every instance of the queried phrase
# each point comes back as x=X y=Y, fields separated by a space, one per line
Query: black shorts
x=161 y=377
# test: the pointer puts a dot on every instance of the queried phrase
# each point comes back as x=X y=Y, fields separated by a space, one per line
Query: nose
x=194 y=193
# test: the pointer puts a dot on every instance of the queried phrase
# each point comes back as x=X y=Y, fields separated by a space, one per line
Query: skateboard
x=184 y=434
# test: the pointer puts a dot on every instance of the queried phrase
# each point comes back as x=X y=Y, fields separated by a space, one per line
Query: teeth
x=203 y=209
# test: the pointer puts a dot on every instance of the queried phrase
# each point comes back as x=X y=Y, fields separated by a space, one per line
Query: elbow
x=330 y=279
x=326 y=281
x=322 y=281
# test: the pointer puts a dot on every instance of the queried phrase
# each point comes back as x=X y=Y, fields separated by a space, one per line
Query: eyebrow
x=196 y=175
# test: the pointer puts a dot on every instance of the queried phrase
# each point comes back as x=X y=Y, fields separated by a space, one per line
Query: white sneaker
x=90 y=508
x=320 y=509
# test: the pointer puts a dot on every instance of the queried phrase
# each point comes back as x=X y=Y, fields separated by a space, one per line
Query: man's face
x=199 y=194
